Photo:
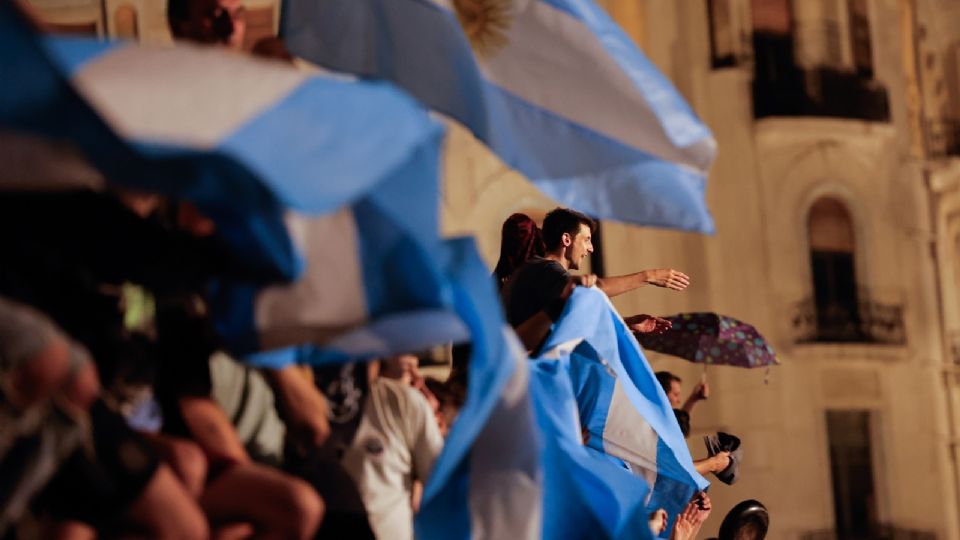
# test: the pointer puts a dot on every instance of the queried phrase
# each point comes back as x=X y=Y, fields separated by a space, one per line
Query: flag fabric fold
x=196 y=122
x=554 y=87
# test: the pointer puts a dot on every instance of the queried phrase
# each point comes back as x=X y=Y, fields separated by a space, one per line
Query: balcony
x=943 y=138
x=871 y=322
x=782 y=88
x=822 y=92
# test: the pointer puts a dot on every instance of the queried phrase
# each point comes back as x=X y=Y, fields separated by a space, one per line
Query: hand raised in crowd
x=692 y=518
x=702 y=502
x=658 y=521
x=648 y=324
x=719 y=462
x=667 y=278
x=700 y=391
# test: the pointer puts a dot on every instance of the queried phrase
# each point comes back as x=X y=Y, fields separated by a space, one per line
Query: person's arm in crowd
x=303 y=408
x=532 y=331
x=661 y=277
x=212 y=430
x=700 y=392
x=427 y=441
x=712 y=464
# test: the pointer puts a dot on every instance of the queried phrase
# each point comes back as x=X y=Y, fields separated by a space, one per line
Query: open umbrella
x=711 y=338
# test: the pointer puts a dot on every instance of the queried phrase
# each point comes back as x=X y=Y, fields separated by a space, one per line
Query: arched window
x=125 y=22
x=832 y=247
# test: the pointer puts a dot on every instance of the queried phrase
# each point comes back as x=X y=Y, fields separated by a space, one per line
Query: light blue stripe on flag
x=567 y=99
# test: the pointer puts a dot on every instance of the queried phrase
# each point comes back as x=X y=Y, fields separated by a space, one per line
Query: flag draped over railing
x=554 y=87
x=623 y=410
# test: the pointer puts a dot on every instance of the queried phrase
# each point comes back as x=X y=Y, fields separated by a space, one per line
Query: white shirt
x=398 y=440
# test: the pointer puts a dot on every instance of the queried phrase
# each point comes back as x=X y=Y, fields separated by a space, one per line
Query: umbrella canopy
x=711 y=338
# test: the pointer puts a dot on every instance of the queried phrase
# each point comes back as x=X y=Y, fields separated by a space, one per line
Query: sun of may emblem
x=485 y=22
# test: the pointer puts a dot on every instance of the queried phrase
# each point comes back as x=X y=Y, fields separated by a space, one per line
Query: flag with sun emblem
x=554 y=87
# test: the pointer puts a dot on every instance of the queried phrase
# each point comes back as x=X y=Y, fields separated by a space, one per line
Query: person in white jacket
x=397 y=442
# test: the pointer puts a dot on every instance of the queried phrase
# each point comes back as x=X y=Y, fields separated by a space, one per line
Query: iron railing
x=870 y=322
x=943 y=137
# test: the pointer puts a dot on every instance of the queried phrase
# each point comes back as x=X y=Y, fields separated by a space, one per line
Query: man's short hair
x=665 y=378
x=563 y=220
x=747 y=520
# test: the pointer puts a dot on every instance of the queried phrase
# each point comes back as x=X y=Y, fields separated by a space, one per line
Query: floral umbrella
x=710 y=338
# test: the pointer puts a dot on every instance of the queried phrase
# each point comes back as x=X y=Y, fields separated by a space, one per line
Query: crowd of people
x=122 y=414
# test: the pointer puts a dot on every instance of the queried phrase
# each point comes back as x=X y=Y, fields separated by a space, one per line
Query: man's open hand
x=648 y=324
x=667 y=278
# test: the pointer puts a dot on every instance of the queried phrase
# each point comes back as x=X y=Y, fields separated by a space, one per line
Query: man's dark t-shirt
x=535 y=286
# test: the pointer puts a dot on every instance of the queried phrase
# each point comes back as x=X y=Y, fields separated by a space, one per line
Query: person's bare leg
x=186 y=459
x=233 y=531
x=69 y=530
x=278 y=505
x=166 y=510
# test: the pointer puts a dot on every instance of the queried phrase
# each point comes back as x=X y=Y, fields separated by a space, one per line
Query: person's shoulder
x=539 y=265
x=398 y=395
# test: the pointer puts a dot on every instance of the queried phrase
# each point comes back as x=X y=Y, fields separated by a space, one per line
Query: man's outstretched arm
x=662 y=277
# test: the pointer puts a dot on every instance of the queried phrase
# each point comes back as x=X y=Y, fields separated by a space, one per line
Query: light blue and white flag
x=585 y=494
x=326 y=183
x=370 y=275
x=622 y=408
x=199 y=122
x=488 y=482
x=554 y=87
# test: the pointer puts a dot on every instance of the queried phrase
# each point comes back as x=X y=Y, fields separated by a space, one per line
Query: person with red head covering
x=520 y=239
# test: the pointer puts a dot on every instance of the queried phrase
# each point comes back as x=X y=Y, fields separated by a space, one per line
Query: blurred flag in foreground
x=554 y=87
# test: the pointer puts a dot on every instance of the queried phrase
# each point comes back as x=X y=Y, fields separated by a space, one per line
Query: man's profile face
x=580 y=247
x=674 y=394
x=215 y=21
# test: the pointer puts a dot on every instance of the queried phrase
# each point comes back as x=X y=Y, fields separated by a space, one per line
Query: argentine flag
x=294 y=169
x=622 y=409
x=367 y=187
x=585 y=494
x=554 y=87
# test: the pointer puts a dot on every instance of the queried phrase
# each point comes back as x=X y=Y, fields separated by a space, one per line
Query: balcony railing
x=822 y=92
x=782 y=88
x=872 y=322
x=943 y=137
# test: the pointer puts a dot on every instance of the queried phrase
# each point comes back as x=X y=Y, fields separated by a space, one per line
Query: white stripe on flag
x=506 y=491
x=552 y=60
x=329 y=297
x=628 y=436
x=196 y=95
